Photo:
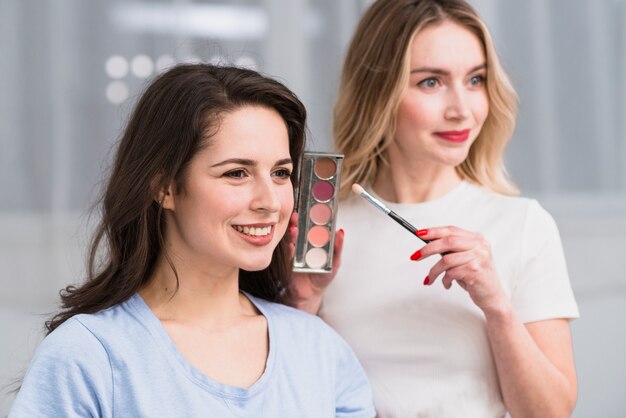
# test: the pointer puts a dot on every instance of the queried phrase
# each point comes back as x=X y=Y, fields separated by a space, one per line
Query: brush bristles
x=356 y=188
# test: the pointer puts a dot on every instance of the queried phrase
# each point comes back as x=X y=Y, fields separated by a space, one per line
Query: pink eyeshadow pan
x=318 y=236
x=320 y=213
x=323 y=191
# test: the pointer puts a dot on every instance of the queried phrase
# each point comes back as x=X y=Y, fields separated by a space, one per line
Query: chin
x=256 y=265
x=456 y=160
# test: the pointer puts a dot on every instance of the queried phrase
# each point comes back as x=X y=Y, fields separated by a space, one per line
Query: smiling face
x=237 y=196
x=445 y=104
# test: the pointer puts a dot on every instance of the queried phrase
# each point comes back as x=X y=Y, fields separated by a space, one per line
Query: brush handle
x=399 y=219
x=413 y=230
x=410 y=227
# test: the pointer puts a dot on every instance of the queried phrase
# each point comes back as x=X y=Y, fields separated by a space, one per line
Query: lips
x=454 y=136
x=257 y=234
x=254 y=231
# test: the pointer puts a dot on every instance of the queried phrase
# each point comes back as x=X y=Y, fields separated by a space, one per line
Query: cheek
x=417 y=114
x=286 y=199
x=223 y=204
x=285 y=195
x=481 y=108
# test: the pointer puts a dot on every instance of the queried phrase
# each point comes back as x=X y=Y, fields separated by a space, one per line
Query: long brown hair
x=174 y=119
x=375 y=77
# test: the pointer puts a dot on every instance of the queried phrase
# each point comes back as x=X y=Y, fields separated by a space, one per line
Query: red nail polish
x=422 y=232
x=343 y=233
x=426 y=280
x=416 y=255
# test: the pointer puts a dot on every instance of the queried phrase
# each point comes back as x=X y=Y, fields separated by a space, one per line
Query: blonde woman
x=476 y=322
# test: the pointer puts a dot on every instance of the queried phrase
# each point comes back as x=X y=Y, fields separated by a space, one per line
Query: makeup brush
x=356 y=188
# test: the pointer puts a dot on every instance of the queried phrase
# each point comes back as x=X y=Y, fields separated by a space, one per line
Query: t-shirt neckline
x=157 y=329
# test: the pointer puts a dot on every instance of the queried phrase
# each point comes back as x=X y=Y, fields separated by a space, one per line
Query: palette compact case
x=318 y=201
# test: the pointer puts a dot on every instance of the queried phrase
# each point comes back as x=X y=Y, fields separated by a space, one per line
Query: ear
x=166 y=198
x=163 y=195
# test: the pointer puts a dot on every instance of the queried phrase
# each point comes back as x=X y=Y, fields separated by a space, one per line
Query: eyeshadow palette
x=318 y=195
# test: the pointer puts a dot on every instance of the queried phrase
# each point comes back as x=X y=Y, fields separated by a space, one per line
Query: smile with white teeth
x=254 y=231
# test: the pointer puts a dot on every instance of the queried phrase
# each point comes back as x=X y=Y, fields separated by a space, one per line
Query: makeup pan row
x=317 y=211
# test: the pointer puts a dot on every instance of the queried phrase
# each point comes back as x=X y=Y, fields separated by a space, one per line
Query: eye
x=283 y=173
x=238 y=173
x=429 y=83
x=477 y=80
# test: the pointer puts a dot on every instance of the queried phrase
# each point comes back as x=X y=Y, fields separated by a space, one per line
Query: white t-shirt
x=425 y=348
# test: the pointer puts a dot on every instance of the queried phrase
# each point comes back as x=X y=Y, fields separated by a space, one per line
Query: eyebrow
x=439 y=71
x=250 y=163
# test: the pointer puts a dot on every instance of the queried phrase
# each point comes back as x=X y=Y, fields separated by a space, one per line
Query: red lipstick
x=454 y=136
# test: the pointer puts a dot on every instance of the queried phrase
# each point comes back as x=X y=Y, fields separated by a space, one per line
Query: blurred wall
x=70 y=71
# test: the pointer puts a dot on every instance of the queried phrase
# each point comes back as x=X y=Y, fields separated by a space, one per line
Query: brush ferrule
x=380 y=205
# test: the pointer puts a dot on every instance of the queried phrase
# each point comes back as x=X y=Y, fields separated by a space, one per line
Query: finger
x=448 y=244
x=447 y=280
x=292 y=243
x=337 y=251
x=292 y=228
x=448 y=262
x=456 y=274
x=442 y=231
x=293 y=220
x=292 y=234
x=453 y=276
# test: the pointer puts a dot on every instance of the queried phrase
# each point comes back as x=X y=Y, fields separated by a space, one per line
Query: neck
x=210 y=298
x=410 y=181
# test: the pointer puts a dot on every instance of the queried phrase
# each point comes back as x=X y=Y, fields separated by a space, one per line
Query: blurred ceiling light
x=142 y=66
x=116 y=66
x=116 y=92
x=201 y=20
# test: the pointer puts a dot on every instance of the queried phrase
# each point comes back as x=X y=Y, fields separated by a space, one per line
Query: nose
x=266 y=195
x=457 y=107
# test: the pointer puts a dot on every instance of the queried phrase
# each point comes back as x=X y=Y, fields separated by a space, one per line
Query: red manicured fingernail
x=426 y=280
x=422 y=232
x=416 y=255
x=343 y=233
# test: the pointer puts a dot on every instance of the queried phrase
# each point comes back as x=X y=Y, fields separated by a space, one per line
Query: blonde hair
x=374 y=78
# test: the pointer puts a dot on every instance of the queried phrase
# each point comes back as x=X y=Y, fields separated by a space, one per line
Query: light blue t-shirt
x=121 y=362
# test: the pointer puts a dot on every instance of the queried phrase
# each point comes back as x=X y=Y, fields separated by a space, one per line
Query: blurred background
x=70 y=71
